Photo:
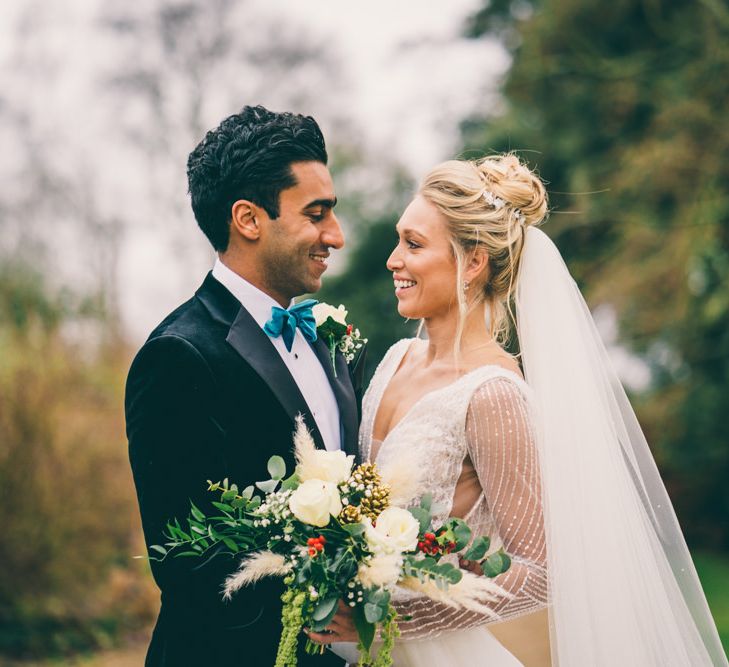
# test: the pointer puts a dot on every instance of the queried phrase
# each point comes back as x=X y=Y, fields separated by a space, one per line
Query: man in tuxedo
x=214 y=392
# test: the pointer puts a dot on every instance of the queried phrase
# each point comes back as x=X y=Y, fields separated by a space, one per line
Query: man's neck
x=248 y=271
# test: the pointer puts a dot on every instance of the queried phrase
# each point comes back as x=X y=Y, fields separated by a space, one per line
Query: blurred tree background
x=620 y=106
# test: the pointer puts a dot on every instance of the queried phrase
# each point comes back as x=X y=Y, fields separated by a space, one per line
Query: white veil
x=623 y=587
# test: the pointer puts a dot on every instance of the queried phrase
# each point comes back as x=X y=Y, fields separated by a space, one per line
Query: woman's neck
x=441 y=332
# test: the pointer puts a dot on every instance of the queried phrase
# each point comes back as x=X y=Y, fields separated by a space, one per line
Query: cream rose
x=383 y=570
x=322 y=311
x=315 y=501
x=334 y=466
x=396 y=530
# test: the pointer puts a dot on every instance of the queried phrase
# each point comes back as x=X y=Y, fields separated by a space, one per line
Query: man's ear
x=244 y=221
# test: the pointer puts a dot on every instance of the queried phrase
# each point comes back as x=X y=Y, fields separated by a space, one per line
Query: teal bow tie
x=284 y=321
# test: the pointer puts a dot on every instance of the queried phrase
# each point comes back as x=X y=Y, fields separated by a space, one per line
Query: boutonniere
x=333 y=328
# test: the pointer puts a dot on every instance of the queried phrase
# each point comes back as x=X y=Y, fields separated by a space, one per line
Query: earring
x=465 y=285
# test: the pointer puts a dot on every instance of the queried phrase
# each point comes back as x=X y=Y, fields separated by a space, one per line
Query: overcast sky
x=406 y=79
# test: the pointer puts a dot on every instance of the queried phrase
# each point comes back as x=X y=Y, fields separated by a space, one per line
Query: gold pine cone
x=366 y=473
x=350 y=514
x=375 y=504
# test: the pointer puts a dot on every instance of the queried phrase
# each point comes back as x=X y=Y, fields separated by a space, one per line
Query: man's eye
x=316 y=217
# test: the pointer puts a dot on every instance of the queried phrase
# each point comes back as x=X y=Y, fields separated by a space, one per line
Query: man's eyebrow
x=326 y=202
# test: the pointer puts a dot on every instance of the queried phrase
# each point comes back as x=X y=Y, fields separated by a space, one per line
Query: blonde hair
x=487 y=203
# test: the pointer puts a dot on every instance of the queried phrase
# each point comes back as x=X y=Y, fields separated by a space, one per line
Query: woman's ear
x=477 y=266
x=244 y=221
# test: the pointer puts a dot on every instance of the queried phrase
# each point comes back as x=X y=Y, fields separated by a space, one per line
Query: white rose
x=334 y=466
x=322 y=311
x=382 y=570
x=396 y=531
x=315 y=501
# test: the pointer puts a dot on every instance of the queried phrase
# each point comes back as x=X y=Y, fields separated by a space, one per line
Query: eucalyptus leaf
x=248 y=492
x=290 y=483
x=373 y=612
x=478 y=549
x=268 y=486
x=422 y=517
x=159 y=549
x=325 y=608
x=497 y=563
x=426 y=502
x=276 y=467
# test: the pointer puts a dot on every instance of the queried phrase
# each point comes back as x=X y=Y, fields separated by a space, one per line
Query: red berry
x=312 y=551
x=429 y=536
x=321 y=539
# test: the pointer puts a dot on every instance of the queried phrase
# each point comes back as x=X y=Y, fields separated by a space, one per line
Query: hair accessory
x=498 y=203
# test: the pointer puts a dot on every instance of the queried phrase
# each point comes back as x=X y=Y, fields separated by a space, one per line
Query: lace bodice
x=481 y=420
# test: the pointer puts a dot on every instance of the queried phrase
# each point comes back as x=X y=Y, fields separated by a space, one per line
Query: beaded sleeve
x=500 y=443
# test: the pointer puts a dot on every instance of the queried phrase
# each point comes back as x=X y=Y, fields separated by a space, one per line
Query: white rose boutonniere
x=332 y=327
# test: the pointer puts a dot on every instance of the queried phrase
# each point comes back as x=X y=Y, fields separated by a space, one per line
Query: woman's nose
x=393 y=261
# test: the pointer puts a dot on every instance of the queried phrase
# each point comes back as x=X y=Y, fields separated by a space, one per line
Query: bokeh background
x=621 y=106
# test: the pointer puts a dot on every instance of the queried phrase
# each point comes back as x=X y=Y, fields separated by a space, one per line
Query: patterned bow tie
x=284 y=321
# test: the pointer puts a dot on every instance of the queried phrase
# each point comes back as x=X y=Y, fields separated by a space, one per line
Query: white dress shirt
x=302 y=362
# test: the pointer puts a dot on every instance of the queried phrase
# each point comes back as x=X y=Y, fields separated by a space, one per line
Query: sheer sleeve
x=500 y=443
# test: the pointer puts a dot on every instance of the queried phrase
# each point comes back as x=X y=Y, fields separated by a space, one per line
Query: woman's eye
x=412 y=244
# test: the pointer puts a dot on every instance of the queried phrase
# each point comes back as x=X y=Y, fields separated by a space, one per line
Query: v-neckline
x=396 y=368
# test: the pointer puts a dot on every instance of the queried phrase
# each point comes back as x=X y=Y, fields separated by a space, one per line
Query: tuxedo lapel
x=251 y=343
x=344 y=393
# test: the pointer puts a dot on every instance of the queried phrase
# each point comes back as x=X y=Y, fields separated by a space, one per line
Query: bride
x=554 y=467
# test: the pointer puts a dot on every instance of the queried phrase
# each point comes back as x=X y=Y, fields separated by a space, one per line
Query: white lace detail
x=483 y=416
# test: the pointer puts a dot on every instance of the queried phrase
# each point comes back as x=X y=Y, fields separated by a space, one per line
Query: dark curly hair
x=248 y=156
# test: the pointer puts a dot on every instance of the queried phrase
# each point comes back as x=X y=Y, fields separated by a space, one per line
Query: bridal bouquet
x=335 y=532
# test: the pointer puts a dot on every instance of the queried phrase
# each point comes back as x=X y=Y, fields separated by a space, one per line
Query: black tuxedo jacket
x=208 y=397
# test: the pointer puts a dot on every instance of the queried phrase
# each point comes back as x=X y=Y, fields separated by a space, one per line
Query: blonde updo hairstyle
x=487 y=203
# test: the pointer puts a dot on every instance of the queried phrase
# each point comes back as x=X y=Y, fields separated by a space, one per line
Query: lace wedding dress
x=474 y=439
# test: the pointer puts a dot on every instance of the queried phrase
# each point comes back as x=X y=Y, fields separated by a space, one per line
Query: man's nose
x=332 y=235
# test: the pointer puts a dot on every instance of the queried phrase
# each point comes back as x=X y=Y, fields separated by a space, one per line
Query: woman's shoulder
x=498 y=383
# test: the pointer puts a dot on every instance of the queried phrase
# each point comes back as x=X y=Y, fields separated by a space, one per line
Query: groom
x=211 y=394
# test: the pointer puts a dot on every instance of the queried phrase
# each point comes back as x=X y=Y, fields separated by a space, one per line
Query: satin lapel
x=250 y=341
x=344 y=393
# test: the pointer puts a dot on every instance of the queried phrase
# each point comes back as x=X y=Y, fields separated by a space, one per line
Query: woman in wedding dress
x=553 y=468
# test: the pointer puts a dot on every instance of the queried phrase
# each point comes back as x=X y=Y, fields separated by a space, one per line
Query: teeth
x=318 y=258
x=404 y=283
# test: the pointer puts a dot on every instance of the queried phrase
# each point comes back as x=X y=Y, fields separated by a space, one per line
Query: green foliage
x=714 y=574
x=68 y=581
x=619 y=107
x=366 y=289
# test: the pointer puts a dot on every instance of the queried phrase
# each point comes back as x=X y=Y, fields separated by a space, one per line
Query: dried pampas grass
x=404 y=473
x=470 y=593
x=304 y=447
x=254 y=567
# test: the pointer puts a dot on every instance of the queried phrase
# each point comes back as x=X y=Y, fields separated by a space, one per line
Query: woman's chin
x=408 y=312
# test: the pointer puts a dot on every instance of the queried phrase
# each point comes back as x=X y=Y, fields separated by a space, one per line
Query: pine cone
x=350 y=514
x=378 y=501
x=367 y=474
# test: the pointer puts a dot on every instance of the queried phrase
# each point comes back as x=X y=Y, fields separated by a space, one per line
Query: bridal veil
x=623 y=587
